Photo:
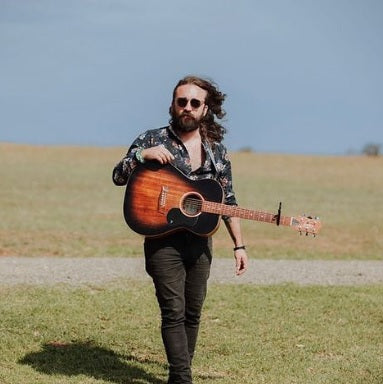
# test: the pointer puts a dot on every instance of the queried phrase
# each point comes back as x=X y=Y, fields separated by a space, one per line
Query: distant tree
x=371 y=149
x=246 y=149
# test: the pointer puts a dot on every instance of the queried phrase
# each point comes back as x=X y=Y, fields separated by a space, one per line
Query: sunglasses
x=182 y=102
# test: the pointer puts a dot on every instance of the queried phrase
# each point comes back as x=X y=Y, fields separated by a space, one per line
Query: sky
x=301 y=76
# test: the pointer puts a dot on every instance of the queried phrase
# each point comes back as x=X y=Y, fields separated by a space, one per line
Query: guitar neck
x=243 y=213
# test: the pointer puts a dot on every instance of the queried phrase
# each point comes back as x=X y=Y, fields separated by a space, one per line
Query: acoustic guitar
x=161 y=199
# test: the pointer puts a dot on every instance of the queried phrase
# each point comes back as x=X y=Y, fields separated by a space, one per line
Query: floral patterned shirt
x=216 y=165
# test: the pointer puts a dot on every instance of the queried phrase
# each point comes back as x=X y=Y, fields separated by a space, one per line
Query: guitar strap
x=211 y=155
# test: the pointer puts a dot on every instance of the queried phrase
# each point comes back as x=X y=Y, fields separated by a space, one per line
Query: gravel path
x=82 y=271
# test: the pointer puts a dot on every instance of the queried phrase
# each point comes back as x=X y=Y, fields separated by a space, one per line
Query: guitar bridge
x=162 y=199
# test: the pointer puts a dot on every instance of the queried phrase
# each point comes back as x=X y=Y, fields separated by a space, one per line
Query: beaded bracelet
x=139 y=155
x=240 y=247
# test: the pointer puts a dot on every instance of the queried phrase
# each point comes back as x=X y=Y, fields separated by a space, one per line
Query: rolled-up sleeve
x=124 y=168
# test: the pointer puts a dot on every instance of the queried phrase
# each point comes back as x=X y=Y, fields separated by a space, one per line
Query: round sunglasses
x=182 y=102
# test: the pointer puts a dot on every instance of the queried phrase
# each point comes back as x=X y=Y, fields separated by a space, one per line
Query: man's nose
x=188 y=106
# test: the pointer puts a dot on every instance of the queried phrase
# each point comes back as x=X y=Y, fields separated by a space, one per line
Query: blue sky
x=301 y=76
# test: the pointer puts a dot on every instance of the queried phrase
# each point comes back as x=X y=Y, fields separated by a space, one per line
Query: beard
x=185 y=122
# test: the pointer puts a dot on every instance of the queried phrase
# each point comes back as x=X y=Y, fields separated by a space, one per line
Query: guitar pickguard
x=176 y=218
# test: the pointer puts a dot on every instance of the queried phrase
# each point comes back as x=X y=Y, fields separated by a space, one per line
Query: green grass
x=110 y=334
x=61 y=201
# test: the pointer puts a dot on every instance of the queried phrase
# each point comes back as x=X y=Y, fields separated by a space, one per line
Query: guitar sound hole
x=191 y=204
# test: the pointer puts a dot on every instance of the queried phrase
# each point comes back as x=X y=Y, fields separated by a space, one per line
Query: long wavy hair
x=210 y=129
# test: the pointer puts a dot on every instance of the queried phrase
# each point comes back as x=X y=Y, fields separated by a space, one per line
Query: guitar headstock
x=306 y=225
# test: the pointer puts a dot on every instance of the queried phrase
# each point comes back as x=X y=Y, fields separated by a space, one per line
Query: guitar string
x=220 y=208
x=197 y=205
x=246 y=213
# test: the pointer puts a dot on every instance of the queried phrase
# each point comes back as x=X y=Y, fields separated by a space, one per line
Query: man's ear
x=205 y=109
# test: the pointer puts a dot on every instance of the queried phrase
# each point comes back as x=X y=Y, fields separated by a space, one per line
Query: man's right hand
x=158 y=153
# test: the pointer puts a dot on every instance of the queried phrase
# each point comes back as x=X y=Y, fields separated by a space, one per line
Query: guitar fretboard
x=243 y=213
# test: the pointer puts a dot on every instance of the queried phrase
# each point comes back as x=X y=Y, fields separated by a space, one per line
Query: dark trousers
x=179 y=265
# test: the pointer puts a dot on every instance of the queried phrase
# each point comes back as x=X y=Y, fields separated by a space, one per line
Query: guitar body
x=160 y=200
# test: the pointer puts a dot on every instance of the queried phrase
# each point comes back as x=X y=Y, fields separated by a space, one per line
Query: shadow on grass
x=85 y=358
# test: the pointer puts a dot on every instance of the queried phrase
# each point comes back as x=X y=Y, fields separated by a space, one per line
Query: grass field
x=60 y=201
x=110 y=334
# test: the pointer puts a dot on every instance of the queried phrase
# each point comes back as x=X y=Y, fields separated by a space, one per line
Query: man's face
x=189 y=107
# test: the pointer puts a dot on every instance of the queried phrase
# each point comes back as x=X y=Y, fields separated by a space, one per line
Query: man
x=179 y=263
